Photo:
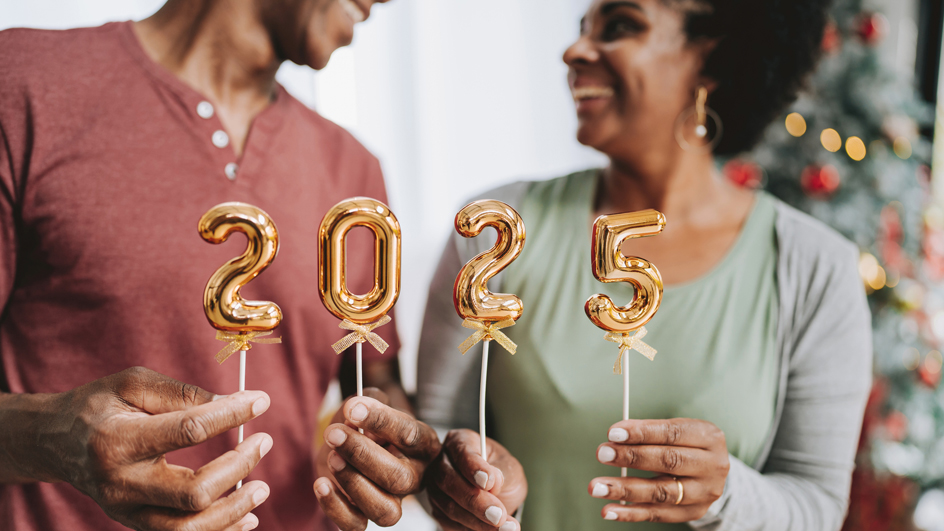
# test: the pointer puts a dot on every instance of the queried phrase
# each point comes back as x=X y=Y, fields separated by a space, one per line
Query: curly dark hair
x=766 y=50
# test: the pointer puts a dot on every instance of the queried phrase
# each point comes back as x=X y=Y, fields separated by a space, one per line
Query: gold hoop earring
x=701 y=129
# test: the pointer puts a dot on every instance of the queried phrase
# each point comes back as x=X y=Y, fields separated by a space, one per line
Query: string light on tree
x=796 y=124
x=855 y=148
x=902 y=148
x=831 y=140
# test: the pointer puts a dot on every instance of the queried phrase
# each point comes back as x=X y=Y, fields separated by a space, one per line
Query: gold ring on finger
x=681 y=491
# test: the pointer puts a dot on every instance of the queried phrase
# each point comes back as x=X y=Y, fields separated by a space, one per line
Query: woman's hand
x=689 y=452
x=365 y=476
x=108 y=439
x=469 y=493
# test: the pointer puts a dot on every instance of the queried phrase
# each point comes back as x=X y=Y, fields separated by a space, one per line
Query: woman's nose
x=581 y=51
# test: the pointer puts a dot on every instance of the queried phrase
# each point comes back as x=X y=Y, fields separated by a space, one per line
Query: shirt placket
x=220 y=140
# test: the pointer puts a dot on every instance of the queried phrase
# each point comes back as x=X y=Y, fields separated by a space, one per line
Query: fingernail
x=260 y=495
x=336 y=437
x=600 y=490
x=481 y=479
x=359 y=413
x=610 y=515
x=252 y=522
x=219 y=397
x=260 y=406
x=336 y=463
x=322 y=489
x=265 y=446
x=618 y=435
x=510 y=525
x=493 y=514
x=606 y=454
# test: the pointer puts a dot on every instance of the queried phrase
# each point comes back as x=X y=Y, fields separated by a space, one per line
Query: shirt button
x=220 y=139
x=230 y=170
x=205 y=109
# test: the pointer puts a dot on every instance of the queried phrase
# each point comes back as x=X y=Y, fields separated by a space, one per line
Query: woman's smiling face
x=632 y=72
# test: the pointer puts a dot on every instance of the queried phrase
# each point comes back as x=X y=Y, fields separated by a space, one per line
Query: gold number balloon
x=376 y=216
x=470 y=293
x=611 y=265
x=224 y=307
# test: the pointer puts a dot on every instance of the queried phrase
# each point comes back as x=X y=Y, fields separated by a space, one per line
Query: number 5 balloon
x=611 y=265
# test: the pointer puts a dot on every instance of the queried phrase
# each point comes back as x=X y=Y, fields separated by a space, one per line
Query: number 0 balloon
x=359 y=313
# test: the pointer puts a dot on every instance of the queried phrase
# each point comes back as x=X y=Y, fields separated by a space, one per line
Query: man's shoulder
x=336 y=139
x=52 y=56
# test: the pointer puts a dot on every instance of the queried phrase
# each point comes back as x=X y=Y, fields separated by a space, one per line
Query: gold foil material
x=224 y=307
x=611 y=265
x=630 y=342
x=471 y=296
x=350 y=213
x=485 y=331
x=360 y=334
x=241 y=341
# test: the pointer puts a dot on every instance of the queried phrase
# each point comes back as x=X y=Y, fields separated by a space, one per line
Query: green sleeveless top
x=554 y=401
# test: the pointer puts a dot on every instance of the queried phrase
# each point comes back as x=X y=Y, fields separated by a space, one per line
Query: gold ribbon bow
x=360 y=334
x=241 y=341
x=487 y=332
x=630 y=342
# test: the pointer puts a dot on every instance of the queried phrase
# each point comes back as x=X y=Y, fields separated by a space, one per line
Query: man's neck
x=222 y=50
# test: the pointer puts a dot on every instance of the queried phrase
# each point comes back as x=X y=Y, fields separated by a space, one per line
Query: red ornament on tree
x=929 y=377
x=872 y=28
x=820 y=181
x=744 y=173
x=832 y=38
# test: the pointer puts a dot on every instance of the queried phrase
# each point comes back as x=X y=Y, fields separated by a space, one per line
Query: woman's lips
x=591 y=98
x=591 y=92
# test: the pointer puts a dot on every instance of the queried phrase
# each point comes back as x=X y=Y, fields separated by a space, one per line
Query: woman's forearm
x=24 y=421
x=772 y=502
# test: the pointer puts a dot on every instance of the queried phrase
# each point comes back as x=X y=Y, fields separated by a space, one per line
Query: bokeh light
x=873 y=275
x=902 y=147
x=911 y=359
x=933 y=362
x=855 y=147
x=831 y=140
x=796 y=124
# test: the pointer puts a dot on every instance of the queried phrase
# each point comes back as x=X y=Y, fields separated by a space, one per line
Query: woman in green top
x=749 y=415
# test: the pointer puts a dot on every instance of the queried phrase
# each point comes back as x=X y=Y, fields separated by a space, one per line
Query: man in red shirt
x=113 y=142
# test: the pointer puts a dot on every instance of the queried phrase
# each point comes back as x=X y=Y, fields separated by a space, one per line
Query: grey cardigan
x=801 y=480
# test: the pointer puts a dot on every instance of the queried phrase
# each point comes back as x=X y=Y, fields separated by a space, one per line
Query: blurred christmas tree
x=849 y=152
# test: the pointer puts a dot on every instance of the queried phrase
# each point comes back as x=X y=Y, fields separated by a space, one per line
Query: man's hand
x=364 y=477
x=108 y=439
x=469 y=492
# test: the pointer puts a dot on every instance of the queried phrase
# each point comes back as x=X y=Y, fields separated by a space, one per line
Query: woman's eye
x=617 y=28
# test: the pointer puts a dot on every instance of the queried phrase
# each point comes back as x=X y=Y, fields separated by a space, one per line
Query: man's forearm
x=25 y=422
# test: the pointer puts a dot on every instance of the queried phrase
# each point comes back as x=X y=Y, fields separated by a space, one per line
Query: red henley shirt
x=107 y=162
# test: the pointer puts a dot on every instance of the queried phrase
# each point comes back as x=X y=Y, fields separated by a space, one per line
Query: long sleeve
x=447 y=381
x=826 y=327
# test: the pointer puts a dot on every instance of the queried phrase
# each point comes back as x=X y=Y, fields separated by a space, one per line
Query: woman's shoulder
x=809 y=242
x=818 y=273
